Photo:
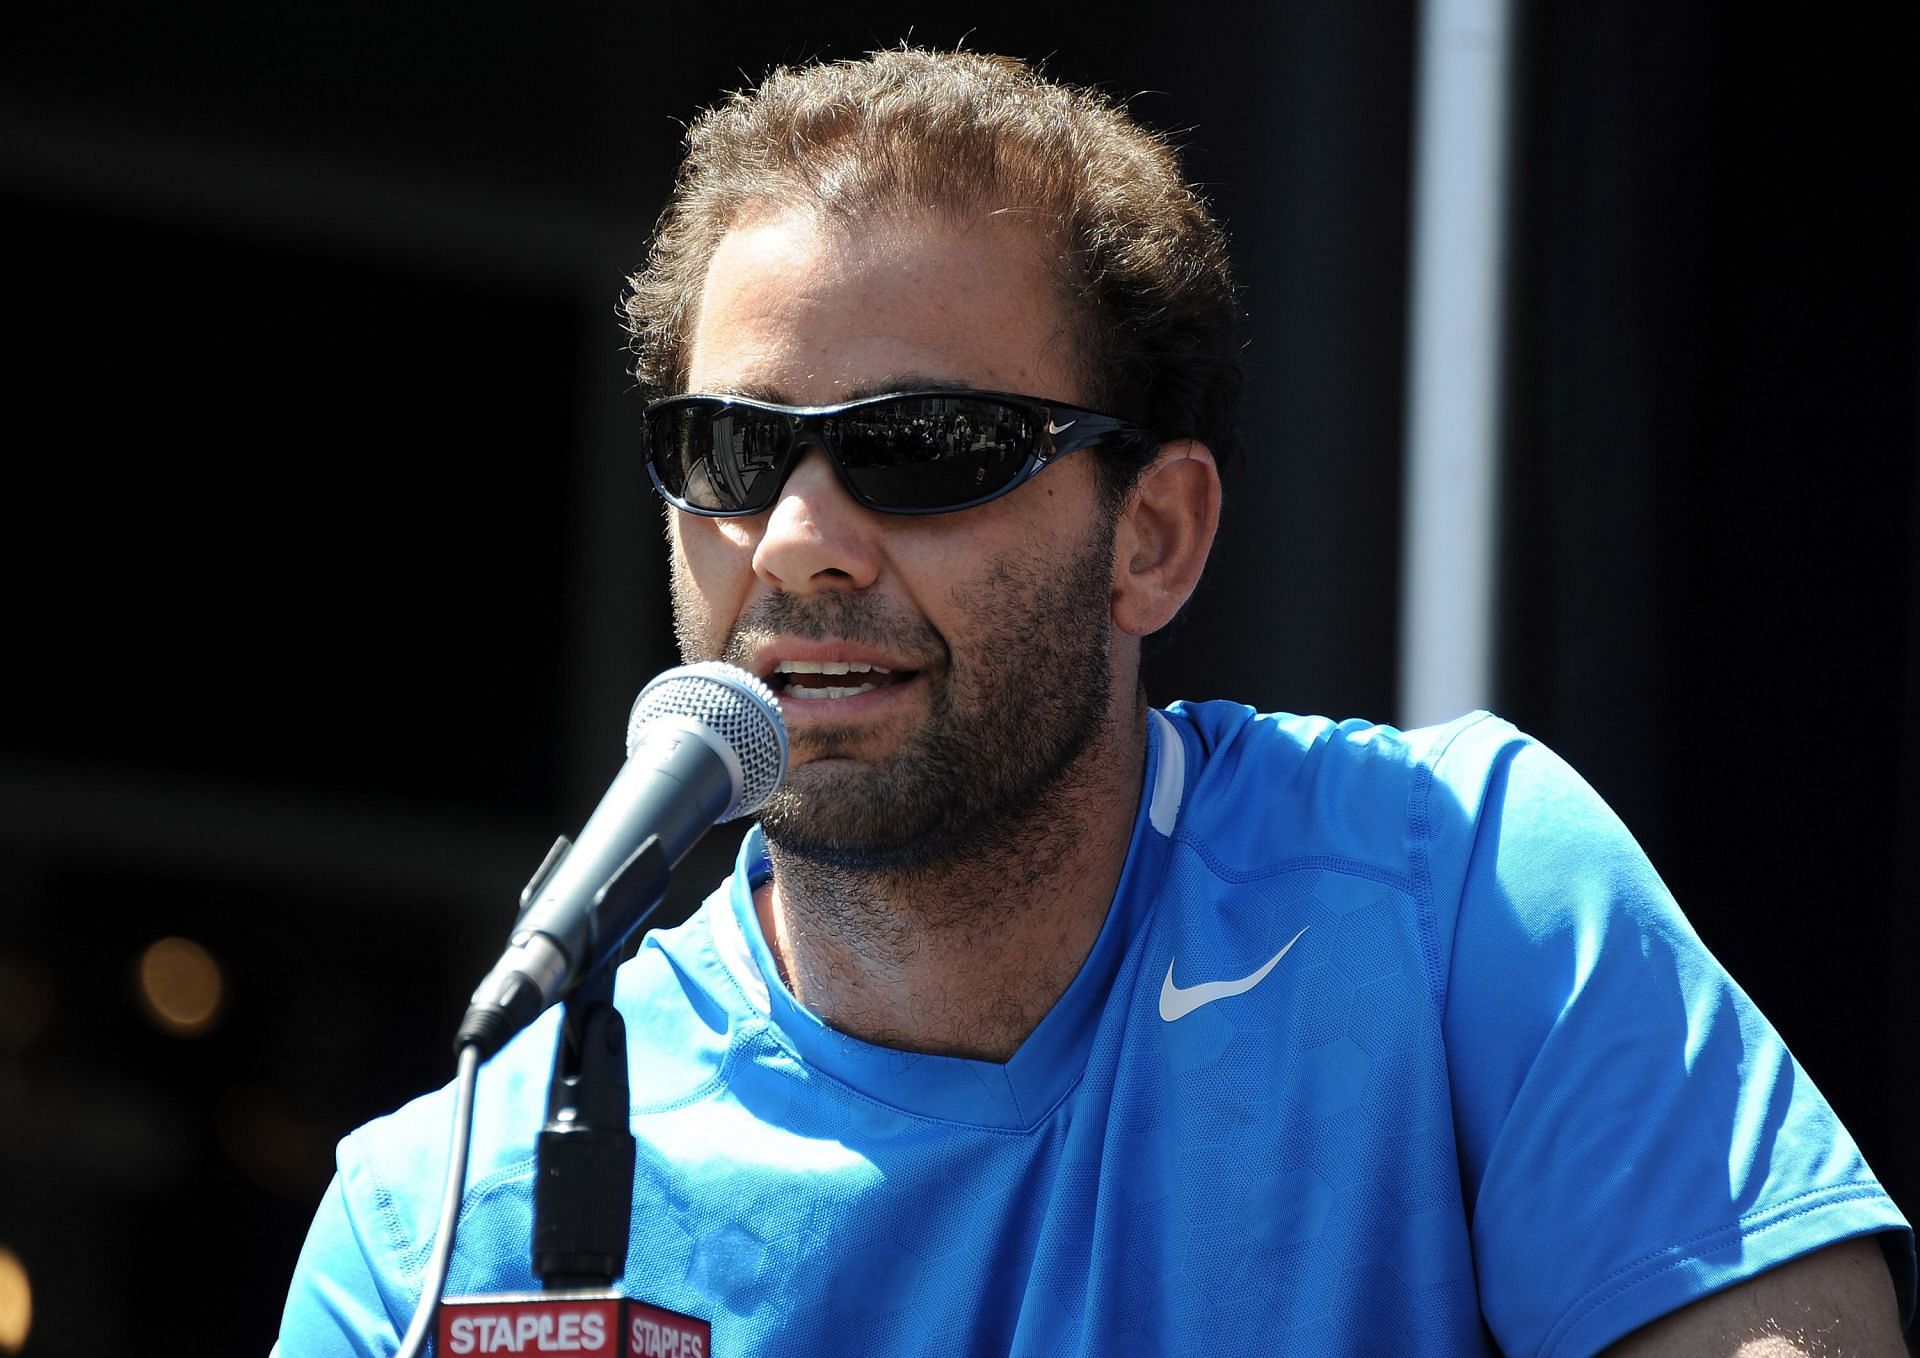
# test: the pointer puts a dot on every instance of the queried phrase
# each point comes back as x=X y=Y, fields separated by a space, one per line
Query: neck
x=964 y=957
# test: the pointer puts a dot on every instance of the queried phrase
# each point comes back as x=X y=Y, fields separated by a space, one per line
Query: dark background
x=332 y=571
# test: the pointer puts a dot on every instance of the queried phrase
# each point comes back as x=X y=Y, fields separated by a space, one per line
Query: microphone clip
x=539 y=970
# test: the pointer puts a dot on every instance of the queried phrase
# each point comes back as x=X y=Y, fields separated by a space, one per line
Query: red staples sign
x=574 y=1324
x=583 y=1327
x=654 y=1333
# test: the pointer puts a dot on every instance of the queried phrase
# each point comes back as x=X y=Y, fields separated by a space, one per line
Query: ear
x=1163 y=535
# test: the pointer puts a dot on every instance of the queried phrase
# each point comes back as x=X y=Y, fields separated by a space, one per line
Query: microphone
x=705 y=743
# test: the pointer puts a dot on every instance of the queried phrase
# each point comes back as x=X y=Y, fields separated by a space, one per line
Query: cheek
x=711 y=575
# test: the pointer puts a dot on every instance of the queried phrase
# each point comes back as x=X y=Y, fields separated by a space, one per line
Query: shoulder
x=360 y=1269
x=1372 y=793
x=1472 y=817
x=391 y=1170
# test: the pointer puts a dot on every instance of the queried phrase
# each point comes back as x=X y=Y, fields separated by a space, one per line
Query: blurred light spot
x=26 y=1002
x=16 y=1302
x=180 y=987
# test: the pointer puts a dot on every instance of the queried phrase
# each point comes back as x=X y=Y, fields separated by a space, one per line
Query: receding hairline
x=1036 y=228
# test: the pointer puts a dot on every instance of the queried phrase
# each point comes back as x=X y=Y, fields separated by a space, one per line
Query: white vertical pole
x=1453 y=362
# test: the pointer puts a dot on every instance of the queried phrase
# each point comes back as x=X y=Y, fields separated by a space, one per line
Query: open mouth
x=815 y=680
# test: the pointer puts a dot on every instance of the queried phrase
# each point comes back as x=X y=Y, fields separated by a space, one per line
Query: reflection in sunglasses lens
x=910 y=453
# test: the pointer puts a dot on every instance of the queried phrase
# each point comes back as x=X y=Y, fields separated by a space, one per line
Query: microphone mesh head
x=737 y=709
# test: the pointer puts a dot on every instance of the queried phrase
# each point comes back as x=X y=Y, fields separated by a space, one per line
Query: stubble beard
x=988 y=780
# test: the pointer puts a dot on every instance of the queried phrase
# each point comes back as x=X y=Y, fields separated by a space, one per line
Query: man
x=1037 y=1022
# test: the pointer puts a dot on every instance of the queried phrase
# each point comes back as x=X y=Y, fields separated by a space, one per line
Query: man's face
x=939 y=671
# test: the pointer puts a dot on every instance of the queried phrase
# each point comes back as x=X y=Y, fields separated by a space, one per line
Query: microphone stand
x=582 y=1212
x=583 y=1189
x=583 y=1179
x=583 y=1184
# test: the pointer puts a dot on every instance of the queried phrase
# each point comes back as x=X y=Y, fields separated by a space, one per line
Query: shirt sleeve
x=340 y=1304
x=1633 y=1134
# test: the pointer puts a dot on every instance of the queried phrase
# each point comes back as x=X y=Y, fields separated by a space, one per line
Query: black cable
x=466 y=1076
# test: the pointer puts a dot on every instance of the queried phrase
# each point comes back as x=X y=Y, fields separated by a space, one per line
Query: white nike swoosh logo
x=1052 y=428
x=1177 y=1003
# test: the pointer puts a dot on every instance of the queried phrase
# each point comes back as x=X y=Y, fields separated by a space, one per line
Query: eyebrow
x=770 y=394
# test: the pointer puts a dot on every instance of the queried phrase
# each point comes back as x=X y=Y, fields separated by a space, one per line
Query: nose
x=817 y=537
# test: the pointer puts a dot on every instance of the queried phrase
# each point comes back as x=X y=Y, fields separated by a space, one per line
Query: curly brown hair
x=1139 y=256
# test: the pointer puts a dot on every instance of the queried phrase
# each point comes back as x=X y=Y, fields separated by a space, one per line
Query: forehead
x=806 y=312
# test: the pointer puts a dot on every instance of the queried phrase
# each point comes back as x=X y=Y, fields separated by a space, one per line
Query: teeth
x=826 y=691
x=828 y=667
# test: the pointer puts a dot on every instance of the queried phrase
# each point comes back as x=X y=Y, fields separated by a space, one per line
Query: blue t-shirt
x=1390 y=1043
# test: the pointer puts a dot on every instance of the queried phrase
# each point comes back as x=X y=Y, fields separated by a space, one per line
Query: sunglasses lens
x=903 y=454
x=932 y=452
x=716 y=457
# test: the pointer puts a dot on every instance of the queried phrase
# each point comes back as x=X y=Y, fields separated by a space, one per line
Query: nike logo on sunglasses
x=907 y=452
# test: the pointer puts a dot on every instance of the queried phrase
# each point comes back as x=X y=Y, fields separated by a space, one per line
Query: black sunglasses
x=909 y=452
